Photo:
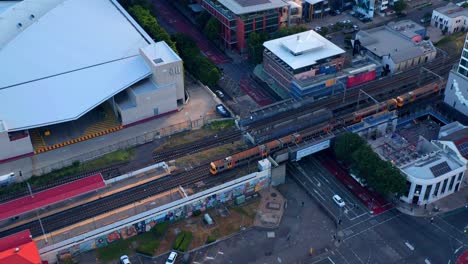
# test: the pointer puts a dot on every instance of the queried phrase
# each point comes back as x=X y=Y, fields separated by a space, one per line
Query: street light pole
x=37 y=214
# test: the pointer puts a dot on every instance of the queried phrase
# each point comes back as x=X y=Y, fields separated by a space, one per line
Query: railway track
x=374 y=88
x=197 y=146
x=80 y=213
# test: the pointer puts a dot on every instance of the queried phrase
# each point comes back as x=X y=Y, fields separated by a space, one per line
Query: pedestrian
x=303 y=204
x=432 y=219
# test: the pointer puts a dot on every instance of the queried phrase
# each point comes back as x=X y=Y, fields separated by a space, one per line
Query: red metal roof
x=51 y=196
x=19 y=248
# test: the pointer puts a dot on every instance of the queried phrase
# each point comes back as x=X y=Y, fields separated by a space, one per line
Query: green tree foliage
x=149 y=23
x=197 y=64
x=255 y=46
x=202 y=19
x=286 y=31
x=465 y=5
x=346 y=144
x=212 y=28
x=399 y=6
x=379 y=175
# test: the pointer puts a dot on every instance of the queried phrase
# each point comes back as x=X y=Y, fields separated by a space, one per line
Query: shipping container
x=360 y=78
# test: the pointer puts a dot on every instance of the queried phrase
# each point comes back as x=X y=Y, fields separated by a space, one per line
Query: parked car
x=172 y=257
x=318 y=28
x=124 y=259
x=356 y=27
x=337 y=199
x=219 y=93
x=221 y=109
x=425 y=20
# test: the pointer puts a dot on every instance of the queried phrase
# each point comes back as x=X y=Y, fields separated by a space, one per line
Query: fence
x=144 y=138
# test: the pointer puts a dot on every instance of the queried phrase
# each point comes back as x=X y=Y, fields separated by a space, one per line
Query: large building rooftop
x=240 y=7
x=76 y=56
x=407 y=27
x=384 y=41
x=452 y=10
x=302 y=49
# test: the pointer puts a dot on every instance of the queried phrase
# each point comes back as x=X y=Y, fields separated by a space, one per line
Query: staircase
x=36 y=139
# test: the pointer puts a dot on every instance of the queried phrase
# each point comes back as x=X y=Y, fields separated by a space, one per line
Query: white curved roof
x=72 y=58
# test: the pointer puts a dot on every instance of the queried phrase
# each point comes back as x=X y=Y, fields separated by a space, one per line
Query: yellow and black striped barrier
x=76 y=140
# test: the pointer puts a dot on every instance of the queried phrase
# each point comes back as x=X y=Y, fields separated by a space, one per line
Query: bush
x=183 y=240
x=210 y=239
x=148 y=248
x=186 y=242
x=196 y=213
x=178 y=240
x=160 y=229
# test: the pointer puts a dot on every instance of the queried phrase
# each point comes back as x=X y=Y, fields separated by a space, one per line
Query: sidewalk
x=270 y=210
x=452 y=202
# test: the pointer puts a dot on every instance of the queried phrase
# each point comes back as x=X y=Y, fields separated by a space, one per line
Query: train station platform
x=51 y=196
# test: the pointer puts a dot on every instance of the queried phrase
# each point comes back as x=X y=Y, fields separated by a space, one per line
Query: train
x=266 y=149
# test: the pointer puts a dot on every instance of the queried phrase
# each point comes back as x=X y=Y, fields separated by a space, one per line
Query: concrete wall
x=452 y=25
x=14 y=148
x=450 y=98
x=163 y=99
x=170 y=73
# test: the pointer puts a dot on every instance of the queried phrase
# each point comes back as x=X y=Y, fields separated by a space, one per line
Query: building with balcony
x=396 y=49
x=239 y=18
x=450 y=18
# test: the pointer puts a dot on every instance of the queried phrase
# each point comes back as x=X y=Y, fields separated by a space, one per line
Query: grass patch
x=74 y=169
x=121 y=247
x=210 y=154
x=194 y=135
x=160 y=229
x=452 y=43
x=220 y=125
x=148 y=248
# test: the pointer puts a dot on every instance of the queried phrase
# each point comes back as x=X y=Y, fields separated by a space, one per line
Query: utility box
x=208 y=219
x=240 y=199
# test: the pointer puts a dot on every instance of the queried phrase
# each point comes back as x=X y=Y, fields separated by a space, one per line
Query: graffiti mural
x=183 y=211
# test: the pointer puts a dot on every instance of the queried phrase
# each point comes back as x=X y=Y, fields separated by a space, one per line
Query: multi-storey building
x=450 y=18
x=239 y=18
x=307 y=64
x=455 y=96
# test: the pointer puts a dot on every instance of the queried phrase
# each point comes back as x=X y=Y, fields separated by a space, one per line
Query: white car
x=318 y=28
x=337 y=199
x=124 y=259
x=172 y=257
x=219 y=93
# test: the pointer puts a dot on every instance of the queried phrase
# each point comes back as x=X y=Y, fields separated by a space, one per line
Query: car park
x=337 y=199
x=172 y=257
x=124 y=260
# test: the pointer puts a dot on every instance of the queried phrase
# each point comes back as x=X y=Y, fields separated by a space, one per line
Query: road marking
x=409 y=246
x=330 y=260
x=208 y=257
x=319 y=194
x=343 y=256
x=220 y=252
x=427 y=261
x=456 y=250
x=369 y=227
x=360 y=260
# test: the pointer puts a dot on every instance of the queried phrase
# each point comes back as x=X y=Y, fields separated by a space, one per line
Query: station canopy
x=69 y=60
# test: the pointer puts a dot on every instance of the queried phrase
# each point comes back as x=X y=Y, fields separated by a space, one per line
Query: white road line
x=357 y=216
x=315 y=191
x=411 y=247
x=456 y=250
x=343 y=256
x=360 y=260
x=443 y=230
x=365 y=230
x=330 y=260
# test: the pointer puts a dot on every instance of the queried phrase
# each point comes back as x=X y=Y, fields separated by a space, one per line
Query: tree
x=346 y=144
x=212 y=28
x=286 y=31
x=399 y=6
x=255 y=46
x=465 y=5
x=202 y=19
x=323 y=31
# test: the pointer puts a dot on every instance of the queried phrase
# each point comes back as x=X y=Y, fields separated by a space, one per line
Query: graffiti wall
x=178 y=212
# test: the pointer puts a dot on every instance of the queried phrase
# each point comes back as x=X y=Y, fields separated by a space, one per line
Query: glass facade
x=463 y=66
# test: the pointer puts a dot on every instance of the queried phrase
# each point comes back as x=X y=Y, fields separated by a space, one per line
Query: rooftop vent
x=31 y=16
x=20 y=25
x=158 y=60
x=17 y=249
